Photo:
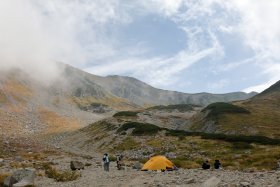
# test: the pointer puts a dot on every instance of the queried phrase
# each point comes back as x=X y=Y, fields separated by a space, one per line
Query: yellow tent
x=158 y=163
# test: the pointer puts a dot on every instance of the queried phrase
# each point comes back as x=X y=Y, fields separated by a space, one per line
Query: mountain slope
x=78 y=98
x=145 y=95
x=262 y=116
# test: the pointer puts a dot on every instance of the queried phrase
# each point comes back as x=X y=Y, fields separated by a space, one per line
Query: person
x=217 y=164
x=119 y=161
x=206 y=165
x=106 y=162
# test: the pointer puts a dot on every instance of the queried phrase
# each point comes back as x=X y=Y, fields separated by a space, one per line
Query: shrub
x=127 y=144
x=88 y=164
x=179 y=107
x=226 y=137
x=140 y=128
x=242 y=138
x=126 y=114
x=219 y=108
x=242 y=145
x=180 y=133
x=60 y=176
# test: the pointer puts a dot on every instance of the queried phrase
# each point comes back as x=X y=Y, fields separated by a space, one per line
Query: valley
x=81 y=116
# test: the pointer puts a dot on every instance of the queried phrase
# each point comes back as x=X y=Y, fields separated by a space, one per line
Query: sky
x=191 y=46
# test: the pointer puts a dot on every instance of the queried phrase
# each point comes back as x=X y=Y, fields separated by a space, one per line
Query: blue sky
x=184 y=45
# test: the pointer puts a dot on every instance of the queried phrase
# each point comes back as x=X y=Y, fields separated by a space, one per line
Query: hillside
x=139 y=141
x=145 y=95
x=76 y=99
x=259 y=115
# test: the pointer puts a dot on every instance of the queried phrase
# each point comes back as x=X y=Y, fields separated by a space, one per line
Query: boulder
x=278 y=165
x=190 y=181
x=1 y=160
x=9 y=181
x=19 y=158
x=76 y=165
x=21 y=178
x=211 y=182
x=245 y=184
x=137 y=165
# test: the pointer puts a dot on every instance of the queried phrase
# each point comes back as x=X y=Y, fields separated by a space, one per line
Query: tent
x=158 y=163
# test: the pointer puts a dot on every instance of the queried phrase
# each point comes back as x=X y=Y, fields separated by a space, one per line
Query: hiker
x=106 y=162
x=217 y=164
x=119 y=161
x=206 y=165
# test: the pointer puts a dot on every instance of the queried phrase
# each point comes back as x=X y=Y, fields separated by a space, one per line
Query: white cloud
x=35 y=33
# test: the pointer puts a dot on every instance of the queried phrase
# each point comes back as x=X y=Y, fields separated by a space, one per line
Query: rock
x=211 y=182
x=19 y=158
x=74 y=165
x=244 y=184
x=22 y=184
x=21 y=178
x=137 y=165
x=189 y=181
x=1 y=160
x=9 y=181
x=278 y=165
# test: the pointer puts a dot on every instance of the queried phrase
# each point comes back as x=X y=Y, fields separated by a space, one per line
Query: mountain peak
x=272 y=89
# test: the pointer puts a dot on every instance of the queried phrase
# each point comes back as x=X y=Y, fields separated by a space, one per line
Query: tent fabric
x=158 y=163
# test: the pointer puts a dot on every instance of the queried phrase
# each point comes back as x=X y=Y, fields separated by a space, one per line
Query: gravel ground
x=95 y=176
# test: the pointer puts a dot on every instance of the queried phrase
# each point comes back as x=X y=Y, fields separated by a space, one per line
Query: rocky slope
x=77 y=98
x=146 y=95
x=259 y=115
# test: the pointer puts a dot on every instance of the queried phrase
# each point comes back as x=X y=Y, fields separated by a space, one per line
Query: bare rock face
x=76 y=165
x=21 y=178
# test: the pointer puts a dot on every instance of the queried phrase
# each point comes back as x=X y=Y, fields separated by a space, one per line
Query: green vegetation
x=242 y=138
x=226 y=137
x=91 y=106
x=242 y=145
x=126 y=114
x=127 y=144
x=179 y=107
x=140 y=128
x=219 y=108
x=3 y=98
x=60 y=176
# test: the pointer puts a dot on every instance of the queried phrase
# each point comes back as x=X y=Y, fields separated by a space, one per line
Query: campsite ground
x=95 y=176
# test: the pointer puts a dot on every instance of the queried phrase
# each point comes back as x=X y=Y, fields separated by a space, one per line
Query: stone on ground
x=20 y=178
x=137 y=165
x=76 y=165
x=211 y=182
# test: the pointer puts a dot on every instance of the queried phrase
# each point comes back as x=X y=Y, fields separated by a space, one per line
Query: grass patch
x=242 y=145
x=60 y=176
x=219 y=108
x=179 y=107
x=127 y=144
x=126 y=114
x=186 y=164
x=140 y=128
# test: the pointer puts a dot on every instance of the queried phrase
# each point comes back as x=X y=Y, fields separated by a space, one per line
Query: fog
x=35 y=35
